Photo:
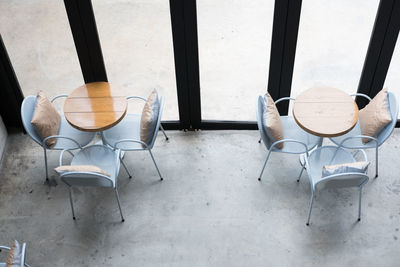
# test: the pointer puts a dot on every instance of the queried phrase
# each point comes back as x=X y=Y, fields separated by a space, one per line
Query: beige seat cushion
x=375 y=115
x=10 y=257
x=272 y=120
x=148 y=121
x=14 y=255
x=80 y=168
x=46 y=119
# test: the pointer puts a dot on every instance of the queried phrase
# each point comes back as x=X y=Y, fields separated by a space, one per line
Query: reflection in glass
x=234 y=47
x=332 y=43
x=40 y=46
x=136 y=39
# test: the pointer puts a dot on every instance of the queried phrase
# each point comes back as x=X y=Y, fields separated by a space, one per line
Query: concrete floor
x=210 y=210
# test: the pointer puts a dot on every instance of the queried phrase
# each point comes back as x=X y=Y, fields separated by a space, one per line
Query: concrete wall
x=3 y=137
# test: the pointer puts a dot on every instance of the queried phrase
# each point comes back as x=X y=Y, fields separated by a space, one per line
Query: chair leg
x=320 y=142
x=71 y=202
x=162 y=129
x=126 y=169
x=47 y=181
x=265 y=163
x=259 y=141
x=302 y=169
x=359 y=204
x=119 y=204
x=376 y=163
x=45 y=164
x=309 y=209
x=151 y=154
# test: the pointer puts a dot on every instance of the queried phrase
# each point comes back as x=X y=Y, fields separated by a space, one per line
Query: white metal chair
x=101 y=156
x=23 y=255
x=126 y=134
x=296 y=140
x=332 y=155
x=353 y=139
x=67 y=138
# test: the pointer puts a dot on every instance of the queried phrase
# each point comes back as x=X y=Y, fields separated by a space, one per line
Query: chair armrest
x=363 y=95
x=291 y=141
x=4 y=247
x=81 y=172
x=136 y=97
x=58 y=96
x=60 y=137
x=78 y=174
x=330 y=177
x=357 y=137
x=130 y=141
x=284 y=98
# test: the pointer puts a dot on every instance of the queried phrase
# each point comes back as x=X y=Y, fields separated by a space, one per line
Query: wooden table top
x=325 y=111
x=95 y=107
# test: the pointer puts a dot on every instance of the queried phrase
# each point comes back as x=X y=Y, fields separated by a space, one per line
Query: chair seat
x=83 y=138
x=326 y=156
x=99 y=156
x=354 y=143
x=292 y=131
x=128 y=128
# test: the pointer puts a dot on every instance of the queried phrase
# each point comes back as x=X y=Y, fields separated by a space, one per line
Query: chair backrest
x=151 y=144
x=86 y=179
x=394 y=110
x=260 y=110
x=352 y=179
x=101 y=156
x=27 y=110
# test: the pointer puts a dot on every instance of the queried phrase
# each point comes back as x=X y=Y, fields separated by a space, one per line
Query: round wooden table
x=325 y=111
x=95 y=107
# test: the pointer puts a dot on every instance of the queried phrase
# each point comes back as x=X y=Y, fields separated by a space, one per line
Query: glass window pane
x=234 y=47
x=332 y=43
x=39 y=42
x=392 y=81
x=136 y=39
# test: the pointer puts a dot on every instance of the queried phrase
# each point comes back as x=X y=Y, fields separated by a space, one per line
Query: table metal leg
x=302 y=158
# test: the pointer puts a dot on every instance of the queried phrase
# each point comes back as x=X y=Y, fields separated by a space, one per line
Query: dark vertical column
x=184 y=33
x=283 y=49
x=11 y=96
x=83 y=26
x=380 y=49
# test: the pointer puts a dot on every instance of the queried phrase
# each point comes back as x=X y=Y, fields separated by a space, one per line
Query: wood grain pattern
x=325 y=111
x=95 y=107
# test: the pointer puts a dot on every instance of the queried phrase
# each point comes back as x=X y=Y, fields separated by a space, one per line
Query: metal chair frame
x=23 y=252
x=106 y=179
x=43 y=143
x=273 y=147
x=377 y=141
x=144 y=99
x=341 y=176
x=144 y=146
